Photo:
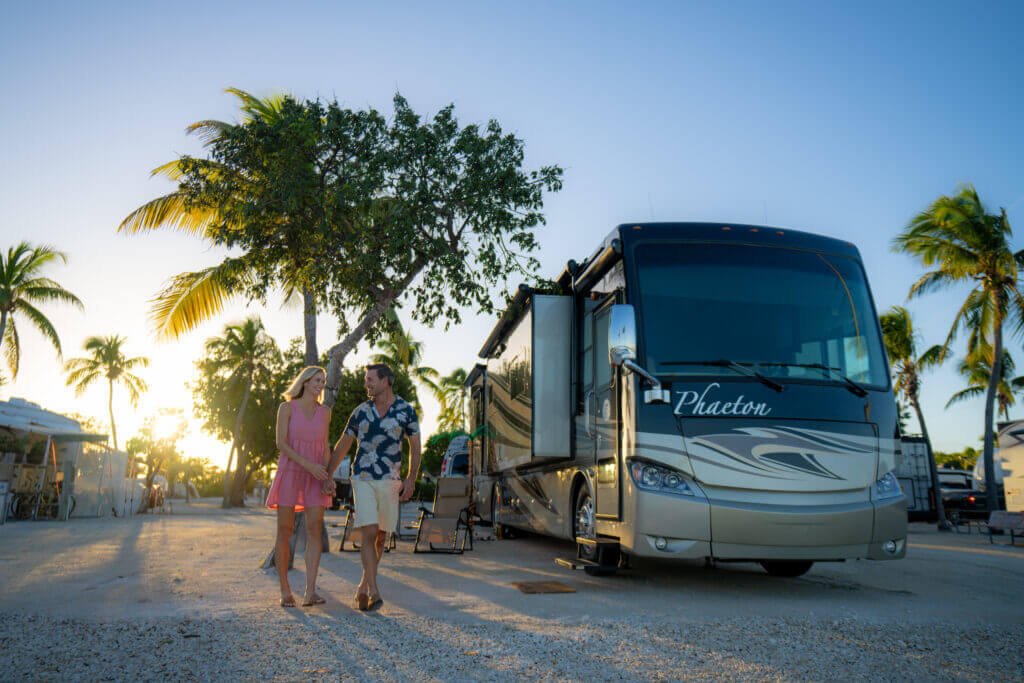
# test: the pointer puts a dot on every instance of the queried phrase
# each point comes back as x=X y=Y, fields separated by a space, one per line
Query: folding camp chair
x=350 y=515
x=447 y=528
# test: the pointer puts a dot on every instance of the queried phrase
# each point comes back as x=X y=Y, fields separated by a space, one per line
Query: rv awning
x=56 y=434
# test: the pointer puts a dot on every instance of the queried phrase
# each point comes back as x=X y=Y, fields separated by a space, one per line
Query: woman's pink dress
x=293 y=485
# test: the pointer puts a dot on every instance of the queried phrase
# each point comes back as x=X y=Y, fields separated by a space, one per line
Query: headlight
x=887 y=487
x=657 y=478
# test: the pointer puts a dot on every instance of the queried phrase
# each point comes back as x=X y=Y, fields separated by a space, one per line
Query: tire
x=786 y=568
x=583 y=522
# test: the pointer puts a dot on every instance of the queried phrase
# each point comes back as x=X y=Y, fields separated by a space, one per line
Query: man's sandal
x=362 y=602
x=288 y=601
x=315 y=600
x=375 y=603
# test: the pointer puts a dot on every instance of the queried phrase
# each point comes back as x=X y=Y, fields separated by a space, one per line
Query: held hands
x=317 y=470
x=405 y=491
x=328 y=486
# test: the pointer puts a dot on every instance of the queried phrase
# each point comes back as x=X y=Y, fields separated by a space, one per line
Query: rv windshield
x=780 y=311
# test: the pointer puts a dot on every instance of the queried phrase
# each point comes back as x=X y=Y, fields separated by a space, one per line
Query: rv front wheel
x=583 y=522
x=786 y=568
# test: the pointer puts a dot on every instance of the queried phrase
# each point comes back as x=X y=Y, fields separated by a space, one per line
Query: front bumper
x=764 y=526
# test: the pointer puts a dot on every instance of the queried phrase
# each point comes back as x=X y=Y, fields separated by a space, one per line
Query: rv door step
x=605 y=552
x=575 y=562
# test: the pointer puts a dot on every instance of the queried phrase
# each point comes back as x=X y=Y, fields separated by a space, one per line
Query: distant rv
x=694 y=390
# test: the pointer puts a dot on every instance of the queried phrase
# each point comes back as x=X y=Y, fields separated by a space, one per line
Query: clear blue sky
x=838 y=118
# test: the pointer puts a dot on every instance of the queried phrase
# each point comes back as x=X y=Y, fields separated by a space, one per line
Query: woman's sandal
x=375 y=603
x=315 y=600
x=362 y=602
x=288 y=601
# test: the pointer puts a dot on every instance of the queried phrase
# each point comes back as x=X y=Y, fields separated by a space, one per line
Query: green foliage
x=366 y=212
x=22 y=289
x=452 y=392
x=155 y=447
x=964 y=460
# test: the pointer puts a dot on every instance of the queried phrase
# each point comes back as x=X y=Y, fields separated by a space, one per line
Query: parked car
x=964 y=504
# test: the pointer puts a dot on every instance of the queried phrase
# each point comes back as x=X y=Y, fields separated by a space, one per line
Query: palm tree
x=901 y=343
x=977 y=373
x=108 y=361
x=963 y=244
x=244 y=352
x=451 y=392
x=22 y=287
x=400 y=351
x=192 y=298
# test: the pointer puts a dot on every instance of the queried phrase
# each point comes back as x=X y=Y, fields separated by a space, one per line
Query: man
x=380 y=426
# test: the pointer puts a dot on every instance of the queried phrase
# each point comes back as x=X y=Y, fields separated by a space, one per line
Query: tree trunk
x=309 y=320
x=110 y=406
x=344 y=347
x=237 y=498
x=3 y=326
x=940 y=508
x=991 y=499
x=235 y=448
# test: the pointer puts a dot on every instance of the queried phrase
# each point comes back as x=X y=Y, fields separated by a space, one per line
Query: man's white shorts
x=376 y=502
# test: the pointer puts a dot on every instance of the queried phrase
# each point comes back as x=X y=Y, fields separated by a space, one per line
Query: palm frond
x=172 y=211
x=12 y=347
x=48 y=291
x=41 y=322
x=966 y=395
x=193 y=298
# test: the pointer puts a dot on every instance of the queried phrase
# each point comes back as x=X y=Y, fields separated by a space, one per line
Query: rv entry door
x=605 y=418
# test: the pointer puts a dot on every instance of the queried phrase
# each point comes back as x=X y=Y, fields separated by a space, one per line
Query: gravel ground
x=180 y=596
x=394 y=647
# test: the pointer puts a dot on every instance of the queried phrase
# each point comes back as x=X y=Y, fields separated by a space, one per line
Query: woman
x=302 y=423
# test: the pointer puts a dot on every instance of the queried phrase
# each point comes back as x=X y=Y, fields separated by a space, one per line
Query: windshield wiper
x=732 y=365
x=855 y=387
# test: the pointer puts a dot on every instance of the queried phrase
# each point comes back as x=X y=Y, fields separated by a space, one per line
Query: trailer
x=689 y=391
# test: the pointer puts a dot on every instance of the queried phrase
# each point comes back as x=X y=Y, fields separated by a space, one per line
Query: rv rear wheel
x=786 y=568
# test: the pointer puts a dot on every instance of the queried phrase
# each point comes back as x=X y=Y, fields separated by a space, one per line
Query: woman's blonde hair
x=298 y=387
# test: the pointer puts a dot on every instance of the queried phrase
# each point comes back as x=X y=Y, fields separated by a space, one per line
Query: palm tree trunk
x=991 y=499
x=110 y=406
x=3 y=326
x=226 y=500
x=309 y=320
x=940 y=509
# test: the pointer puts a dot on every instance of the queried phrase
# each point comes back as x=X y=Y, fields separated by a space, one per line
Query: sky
x=843 y=119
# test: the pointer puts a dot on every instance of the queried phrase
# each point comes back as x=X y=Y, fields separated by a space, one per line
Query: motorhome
x=694 y=390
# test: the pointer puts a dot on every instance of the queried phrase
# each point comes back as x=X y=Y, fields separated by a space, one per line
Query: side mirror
x=621 y=334
x=622 y=350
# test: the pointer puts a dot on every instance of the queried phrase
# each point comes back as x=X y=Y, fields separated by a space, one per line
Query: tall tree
x=901 y=342
x=109 y=362
x=22 y=288
x=962 y=243
x=425 y=211
x=242 y=355
x=192 y=298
